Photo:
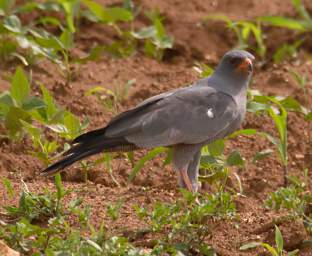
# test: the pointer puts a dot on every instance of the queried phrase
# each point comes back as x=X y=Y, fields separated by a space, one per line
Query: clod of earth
x=185 y=119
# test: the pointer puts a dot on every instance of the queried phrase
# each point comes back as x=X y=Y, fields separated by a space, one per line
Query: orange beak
x=245 y=66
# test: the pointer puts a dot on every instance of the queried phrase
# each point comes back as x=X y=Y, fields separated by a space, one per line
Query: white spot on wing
x=210 y=113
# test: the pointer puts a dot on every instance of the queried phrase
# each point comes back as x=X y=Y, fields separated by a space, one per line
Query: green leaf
x=216 y=148
x=290 y=103
x=13 y=24
x=284 y=22
x=301 y=10
x=279 y=240
x=72 y=125
x=70 y=7
x=145 y=32
x=308 y=117
x=51 y=108
x=261 y=155
x=243 y=132
x=20 y=87
x=12 y=120
x=67 y=39
x=254 y=107
x=94 y=244
x=6 y=99
x=250 y=245
x=149 y=156
x=33 y=103
x=108 y=15
x=59 y=187
x=270 y=249
x=293 y=253
x=6 y=5
x=8 y=185
x=235 y=159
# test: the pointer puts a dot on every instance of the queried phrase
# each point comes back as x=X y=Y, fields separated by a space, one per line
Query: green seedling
x=17 y=104
x=203 y=69
x=107 y=159
x=181 y=227
x=112 y=16
x=18 y=41
x=214 y=165
x=148 y=157
x=274 y=251
x=155 y=36
x=286 y=51
x=38 y=207
x=303 y=24
x=25 y=114
x=111 y=99
x=244 y=31
x=295 y=198
x=58 y=235
x=113 y=210
x=301 y=79
x=276 y=108
x=280 y=121
x=70 y=126
x=43 y=148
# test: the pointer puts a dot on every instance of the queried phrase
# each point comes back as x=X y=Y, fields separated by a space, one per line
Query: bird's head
x=236 y=64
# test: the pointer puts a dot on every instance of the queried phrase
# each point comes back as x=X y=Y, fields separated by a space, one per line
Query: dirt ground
x=194 y=41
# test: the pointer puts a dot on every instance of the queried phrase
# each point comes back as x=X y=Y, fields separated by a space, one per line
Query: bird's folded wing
x=189 y=116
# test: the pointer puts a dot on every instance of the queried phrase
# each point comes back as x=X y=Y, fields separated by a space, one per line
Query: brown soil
x=193 y=42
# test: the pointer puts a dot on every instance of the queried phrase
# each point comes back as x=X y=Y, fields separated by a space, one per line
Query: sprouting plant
x=301 y=79
x=57 y=235
x=303 y=24
x=112 y=16
x=243 y=31
x=38 y=207
x=17 y=104
x=295 y=198
x=42 y=148
x=182 y=226
x=278 y=250
x=286 y=50
x=214 y=165
x=280 y=121
x=114 y=209
x=203 y=69
x=111 y=99
x=107 y=159
x=155 y=36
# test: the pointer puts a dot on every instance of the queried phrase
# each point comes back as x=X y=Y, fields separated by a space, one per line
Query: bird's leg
x=185 y=178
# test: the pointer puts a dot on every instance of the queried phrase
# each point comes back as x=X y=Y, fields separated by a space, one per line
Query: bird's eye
x=235 y=61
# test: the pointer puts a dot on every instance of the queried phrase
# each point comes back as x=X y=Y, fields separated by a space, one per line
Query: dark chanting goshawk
x=184 y=119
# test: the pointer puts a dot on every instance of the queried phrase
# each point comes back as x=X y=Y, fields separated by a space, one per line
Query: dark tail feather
x=89 y=144
x=66 y=161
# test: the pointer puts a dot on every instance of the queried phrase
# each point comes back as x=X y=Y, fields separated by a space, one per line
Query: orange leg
x=186 y=179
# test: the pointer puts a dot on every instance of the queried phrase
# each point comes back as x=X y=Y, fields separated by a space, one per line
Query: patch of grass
x=296 y=199
x=278 y=250
x=248 y=33
x=183 y=226
x=24 y=114
x=55 y=234
x=277 y=108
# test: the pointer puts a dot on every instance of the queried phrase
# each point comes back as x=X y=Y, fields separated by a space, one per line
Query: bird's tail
x=88 y=144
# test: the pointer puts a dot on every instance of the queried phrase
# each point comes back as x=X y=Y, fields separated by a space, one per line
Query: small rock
x=299 y=156
x=7 y=251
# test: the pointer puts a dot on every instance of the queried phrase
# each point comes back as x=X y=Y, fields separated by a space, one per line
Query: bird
x=183 y=119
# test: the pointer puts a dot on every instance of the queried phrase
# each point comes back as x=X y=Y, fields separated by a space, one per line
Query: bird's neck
x=232 y=87
x=237 y=89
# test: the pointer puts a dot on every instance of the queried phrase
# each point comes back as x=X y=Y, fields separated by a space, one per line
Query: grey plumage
x=184 y=119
